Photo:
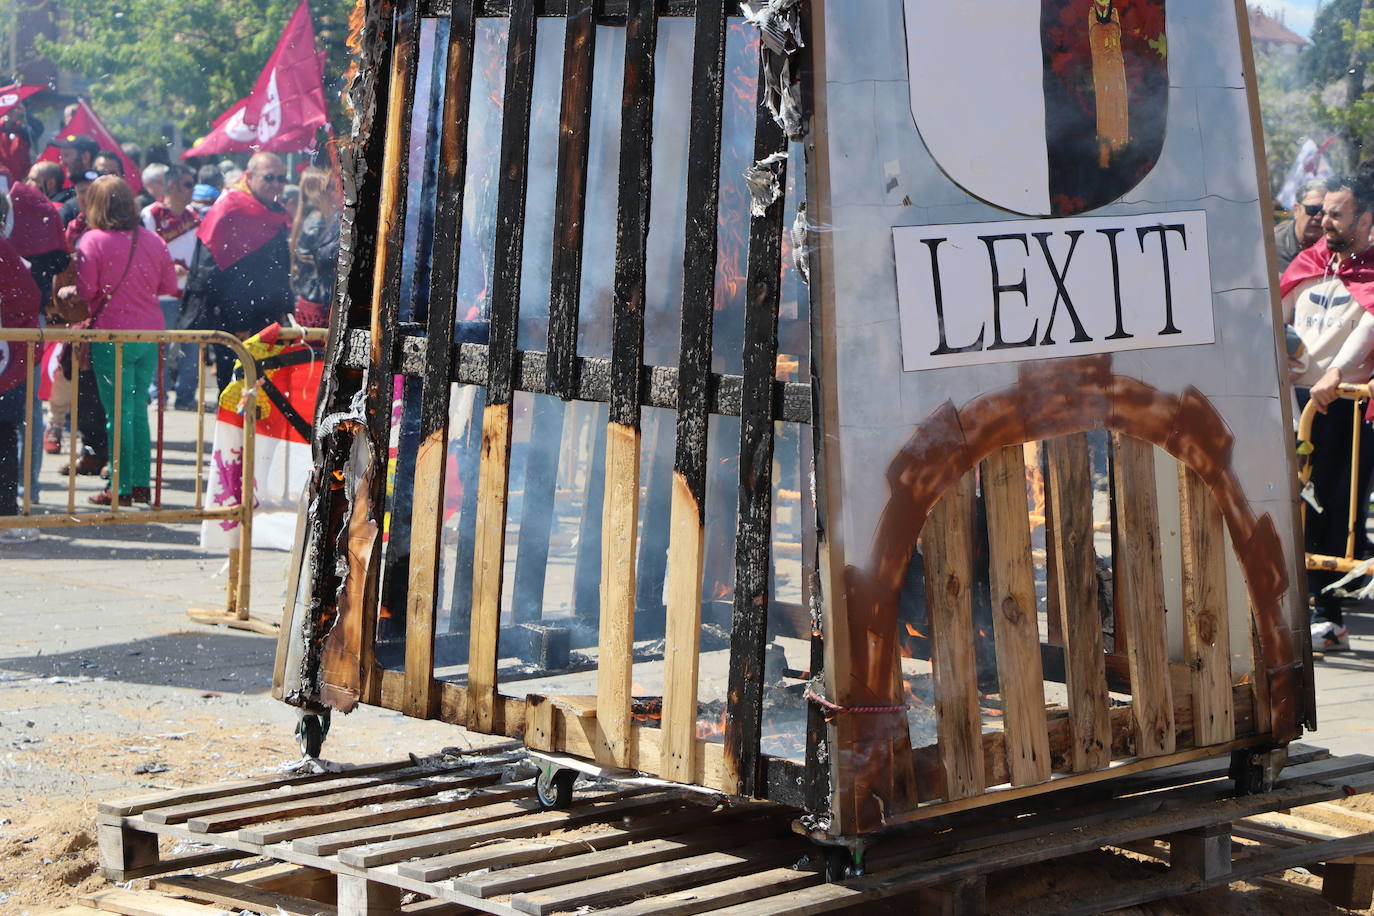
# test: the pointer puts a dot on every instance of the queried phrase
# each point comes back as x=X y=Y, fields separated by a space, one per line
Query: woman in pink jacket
x=121 y=269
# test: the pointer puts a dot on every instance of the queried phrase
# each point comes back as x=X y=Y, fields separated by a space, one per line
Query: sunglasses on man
x=1313 y=209
x=268 y=176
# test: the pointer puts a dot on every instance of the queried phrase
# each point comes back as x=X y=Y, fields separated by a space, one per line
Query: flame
x=706 y=729
x=721 y=591
x=1035 y=484
x=912 y=631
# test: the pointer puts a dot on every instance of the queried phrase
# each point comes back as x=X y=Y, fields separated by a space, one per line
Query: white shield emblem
x=237 y=130
x=269 y=119
x=1041 y=107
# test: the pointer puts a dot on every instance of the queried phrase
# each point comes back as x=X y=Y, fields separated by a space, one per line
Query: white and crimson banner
x=286 y=106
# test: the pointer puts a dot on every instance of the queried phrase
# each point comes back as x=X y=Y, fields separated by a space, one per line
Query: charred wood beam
x=384 y=59
x=606 y=12
x=427 y=515
x=753 y=558
x=686 y=552
x=621 y=507
x=507 y=256
x=658 y=384
x=570 y=205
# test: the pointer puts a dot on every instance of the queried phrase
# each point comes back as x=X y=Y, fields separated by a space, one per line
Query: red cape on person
x=1356 y=272
x=37 y=222
x=237 y=225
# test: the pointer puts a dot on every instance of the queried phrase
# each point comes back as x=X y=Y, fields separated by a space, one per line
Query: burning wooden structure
x=675 y=583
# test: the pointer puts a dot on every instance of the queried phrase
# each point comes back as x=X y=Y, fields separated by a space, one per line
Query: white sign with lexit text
x=973 y=293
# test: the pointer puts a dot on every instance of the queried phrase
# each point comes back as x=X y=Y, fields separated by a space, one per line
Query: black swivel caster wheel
x=310 y=731
x=554 y=788
x=837 y=863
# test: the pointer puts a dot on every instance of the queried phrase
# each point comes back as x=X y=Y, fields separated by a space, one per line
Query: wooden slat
x=686 y=550
x=428 y=842
x=416 y=787
x=494 y=476
x=421 y=698
x=273 y=791
x=241 y=896
x=1206 y=621
x=1019 y=671
x=194 y=795
x=574 y=143
x=775 y=882
x=947 y=546
x=1139 y=590
x=382 y=811
x=494 y=806
x=509 y=853
x=648 y=879
x=753 y=560
x=595 y=864
x=1071 y=495
x=620 y=513
x=144 y=903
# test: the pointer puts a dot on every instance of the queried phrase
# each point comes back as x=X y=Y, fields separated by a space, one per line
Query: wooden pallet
x=452 y=832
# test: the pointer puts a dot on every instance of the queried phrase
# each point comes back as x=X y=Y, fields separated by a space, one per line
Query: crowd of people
x=1327 y=258
x=219 y=247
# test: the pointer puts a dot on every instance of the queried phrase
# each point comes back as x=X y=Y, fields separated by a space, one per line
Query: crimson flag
x=286 y=106
x=85 y=121
x=12 y=95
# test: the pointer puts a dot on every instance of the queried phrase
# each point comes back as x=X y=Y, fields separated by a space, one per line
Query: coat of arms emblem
x=1041 y=107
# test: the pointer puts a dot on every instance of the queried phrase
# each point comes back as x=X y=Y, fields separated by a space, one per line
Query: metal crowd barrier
x=1359 y=394
x=238 y=588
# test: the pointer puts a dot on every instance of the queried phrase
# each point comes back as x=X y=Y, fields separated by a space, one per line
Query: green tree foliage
x=151 y=63
x=1326 y=60
x=1287 y=113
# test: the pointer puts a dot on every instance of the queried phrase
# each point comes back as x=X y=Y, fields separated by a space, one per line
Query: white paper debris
x=765 y=186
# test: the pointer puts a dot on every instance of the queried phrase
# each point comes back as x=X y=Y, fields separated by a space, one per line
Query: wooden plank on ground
x=1019 y=671
x=1071 y=494
x=776 y=882
x=420 y=839
x=335 y=803
x=193 y=795
x=620 y=513
x=144 y=903
x=753 y=533
x=512 y=852
x=494 y=476
x=653 y=879
x=1138 y=580
x=333 y=783
x=1206 y=621
x=380 y=812
x=947 y=547
x=492 y=810
x=598 y=863
x=687 y=537
x=240 y=896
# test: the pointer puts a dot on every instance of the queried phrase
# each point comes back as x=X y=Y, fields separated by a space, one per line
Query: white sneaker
x=1327 y=637
x=18 y=535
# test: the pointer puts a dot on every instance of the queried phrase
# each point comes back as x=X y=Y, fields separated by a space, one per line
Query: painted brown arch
x=1057 y=398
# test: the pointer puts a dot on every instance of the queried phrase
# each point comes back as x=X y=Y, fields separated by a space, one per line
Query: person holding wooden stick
x=1328 y=297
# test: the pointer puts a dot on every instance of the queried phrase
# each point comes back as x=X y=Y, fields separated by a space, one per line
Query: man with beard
x=1328 y=298
x=1302 y=231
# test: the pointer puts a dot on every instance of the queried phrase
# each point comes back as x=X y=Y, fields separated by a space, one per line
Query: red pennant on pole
x=13 y=94
x=85 y=121
x=286 y=106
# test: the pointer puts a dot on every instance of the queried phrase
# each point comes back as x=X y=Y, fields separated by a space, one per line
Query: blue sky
x=1297 y=14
